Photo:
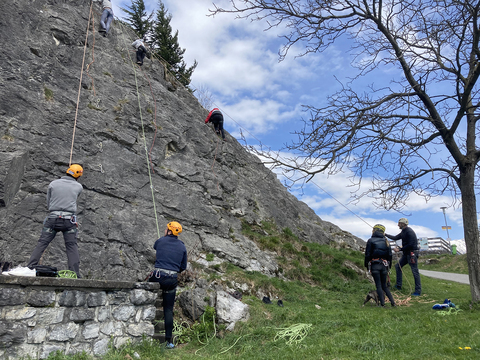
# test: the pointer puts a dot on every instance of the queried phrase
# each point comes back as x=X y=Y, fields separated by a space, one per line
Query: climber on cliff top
x=107 y=17
x=215 y=116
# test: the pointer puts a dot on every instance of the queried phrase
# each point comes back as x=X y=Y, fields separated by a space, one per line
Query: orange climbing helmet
x=174 y=227
x=75 y=170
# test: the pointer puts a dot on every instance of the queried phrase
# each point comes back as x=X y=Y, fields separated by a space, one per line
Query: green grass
x=446 y=262
x=327 y=295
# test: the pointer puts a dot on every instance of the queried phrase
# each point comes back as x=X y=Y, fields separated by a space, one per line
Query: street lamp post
x=445 y=216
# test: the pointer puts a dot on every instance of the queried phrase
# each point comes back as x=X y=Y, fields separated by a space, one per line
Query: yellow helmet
x=75 y=170
x=379 y=227
x=174 y=227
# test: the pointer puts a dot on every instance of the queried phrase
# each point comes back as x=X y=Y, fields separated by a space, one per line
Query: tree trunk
x=470 y=226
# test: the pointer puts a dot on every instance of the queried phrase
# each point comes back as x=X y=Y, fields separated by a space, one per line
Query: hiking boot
x=415 y=294
x=398 y=287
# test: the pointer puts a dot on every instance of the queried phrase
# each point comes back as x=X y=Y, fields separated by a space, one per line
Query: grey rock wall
x=209 y=187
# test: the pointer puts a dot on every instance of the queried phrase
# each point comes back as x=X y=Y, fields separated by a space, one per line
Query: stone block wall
x=42 y=315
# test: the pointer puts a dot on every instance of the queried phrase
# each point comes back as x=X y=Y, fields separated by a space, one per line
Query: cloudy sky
x=262 y=98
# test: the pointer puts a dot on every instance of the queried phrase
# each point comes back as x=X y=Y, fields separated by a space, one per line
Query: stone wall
x=42 y=315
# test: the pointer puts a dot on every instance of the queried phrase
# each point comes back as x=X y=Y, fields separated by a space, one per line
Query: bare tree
x=204 y=96
x=415 y=133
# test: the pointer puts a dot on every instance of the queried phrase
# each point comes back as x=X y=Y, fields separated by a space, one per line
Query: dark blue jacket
x=409 y=240
x=171 y=254
x=378 y=247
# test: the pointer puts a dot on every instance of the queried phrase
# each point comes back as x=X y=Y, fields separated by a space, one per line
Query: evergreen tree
x=165 y=45
x=138 y=18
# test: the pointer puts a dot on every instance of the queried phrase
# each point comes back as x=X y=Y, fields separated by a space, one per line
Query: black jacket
x=378 y=247
x=409 y=240
x=216 y=117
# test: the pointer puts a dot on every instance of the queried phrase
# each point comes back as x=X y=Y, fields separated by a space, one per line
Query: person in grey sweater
x=141 y=50
x=62 y=197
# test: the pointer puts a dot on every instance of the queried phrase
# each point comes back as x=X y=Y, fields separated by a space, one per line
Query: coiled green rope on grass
x=449 y=311
x=293 y=334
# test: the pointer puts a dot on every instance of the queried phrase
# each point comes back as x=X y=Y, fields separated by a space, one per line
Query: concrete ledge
x=62 y=283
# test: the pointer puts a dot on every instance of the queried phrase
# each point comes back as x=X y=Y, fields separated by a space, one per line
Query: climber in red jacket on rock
x=215 y=116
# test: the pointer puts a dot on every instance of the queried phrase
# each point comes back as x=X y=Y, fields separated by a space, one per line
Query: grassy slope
x=329 y=297
x=444 y=262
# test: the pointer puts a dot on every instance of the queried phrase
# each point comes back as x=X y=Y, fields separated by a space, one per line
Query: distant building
x=435 y=245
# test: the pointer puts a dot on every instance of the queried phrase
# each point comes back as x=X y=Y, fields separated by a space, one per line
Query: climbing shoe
x=398 y=287
x=169 y=345
x=415 y=294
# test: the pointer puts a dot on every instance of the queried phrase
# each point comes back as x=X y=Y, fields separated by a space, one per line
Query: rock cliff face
x=208 y=186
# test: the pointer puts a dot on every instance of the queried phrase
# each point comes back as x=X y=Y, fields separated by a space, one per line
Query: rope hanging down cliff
x=143 y=133
x=80 y=83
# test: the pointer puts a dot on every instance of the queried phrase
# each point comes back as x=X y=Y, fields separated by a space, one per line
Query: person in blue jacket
x=171 y=259
x=409 y=251
x=378 y=259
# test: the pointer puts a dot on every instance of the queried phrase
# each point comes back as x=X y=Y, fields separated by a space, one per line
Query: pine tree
x=138 y=18
x=165 y=45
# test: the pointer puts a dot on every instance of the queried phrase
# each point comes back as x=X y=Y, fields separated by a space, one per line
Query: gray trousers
x=106 y=19
x=50 y=228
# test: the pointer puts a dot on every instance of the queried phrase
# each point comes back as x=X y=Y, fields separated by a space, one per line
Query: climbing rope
x=293 y=334
x=93 y=54
x=67 y=274
x=80 y=83
x=154 y=120
x=143 y=129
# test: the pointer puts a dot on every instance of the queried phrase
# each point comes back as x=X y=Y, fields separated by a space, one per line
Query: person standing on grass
x=171 y=259
x=378 y=259
x=409 y=255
